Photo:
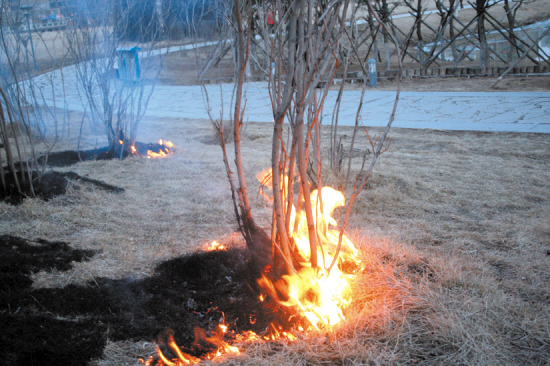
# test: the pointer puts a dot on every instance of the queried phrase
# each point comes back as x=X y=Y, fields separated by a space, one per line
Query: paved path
x=498 y=111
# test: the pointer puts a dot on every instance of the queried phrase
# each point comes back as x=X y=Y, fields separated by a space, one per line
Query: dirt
x=70 y=325
x=31 y=334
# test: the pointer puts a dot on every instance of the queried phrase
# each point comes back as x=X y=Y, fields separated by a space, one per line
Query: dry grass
x=454 y=227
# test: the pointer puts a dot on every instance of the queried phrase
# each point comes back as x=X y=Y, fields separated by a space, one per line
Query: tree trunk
x=452 y=32
x=511 y=24
x=373 y=35
x=387 y=62
x=242 y=61
x=481 y=6
x=418 y=22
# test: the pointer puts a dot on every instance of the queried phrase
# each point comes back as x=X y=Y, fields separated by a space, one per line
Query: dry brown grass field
x=454 y=229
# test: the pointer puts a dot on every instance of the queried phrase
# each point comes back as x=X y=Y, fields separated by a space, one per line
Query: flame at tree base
x=318 y=294
x=316 y=297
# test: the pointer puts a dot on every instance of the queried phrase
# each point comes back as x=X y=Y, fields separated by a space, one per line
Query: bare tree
x=114 y=82
x=185 y=17
x=27 y=120
x=303 y=51
x=416 y=11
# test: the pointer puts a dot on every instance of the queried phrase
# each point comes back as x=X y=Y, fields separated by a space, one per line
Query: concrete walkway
x=499 y=111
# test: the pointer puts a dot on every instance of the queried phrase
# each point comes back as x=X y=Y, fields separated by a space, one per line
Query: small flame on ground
x=214 y=246
x=217 y=341
x=152 y=154
x=163 y=150
x=201 y=340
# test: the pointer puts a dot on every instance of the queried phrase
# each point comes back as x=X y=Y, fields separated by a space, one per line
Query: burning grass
x=453 y=234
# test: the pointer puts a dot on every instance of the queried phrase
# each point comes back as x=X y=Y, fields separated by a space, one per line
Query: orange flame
x=317 y=294
x=163 y=151
x=214 y=246
x=201 y=340
x=152 y=154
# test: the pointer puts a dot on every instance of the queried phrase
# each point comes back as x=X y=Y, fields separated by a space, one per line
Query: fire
x=158 y=150
x=214 y=246
x=317 y=294
x=216 y=342
x=152 y=154
x=163 y=149
x=166 y=143
x=202 y=341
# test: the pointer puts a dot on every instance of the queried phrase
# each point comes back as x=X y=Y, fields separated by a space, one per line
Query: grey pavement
x=468 y=111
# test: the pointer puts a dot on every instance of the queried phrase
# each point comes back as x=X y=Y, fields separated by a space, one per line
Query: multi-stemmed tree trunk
x=302 y=52
x=302 y=49
x=481 y=8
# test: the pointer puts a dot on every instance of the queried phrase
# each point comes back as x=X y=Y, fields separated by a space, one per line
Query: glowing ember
x=214 y=246
x=166 y=143
x=152 y=154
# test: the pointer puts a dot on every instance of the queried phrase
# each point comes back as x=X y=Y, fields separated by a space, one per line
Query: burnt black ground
x=70 y=325
x=71 y=157
x=52 y=184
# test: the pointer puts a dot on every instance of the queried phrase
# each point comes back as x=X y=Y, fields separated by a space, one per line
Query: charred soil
x=49 y=185
x=71 y=157
x=53 y=183
x=70 y=325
